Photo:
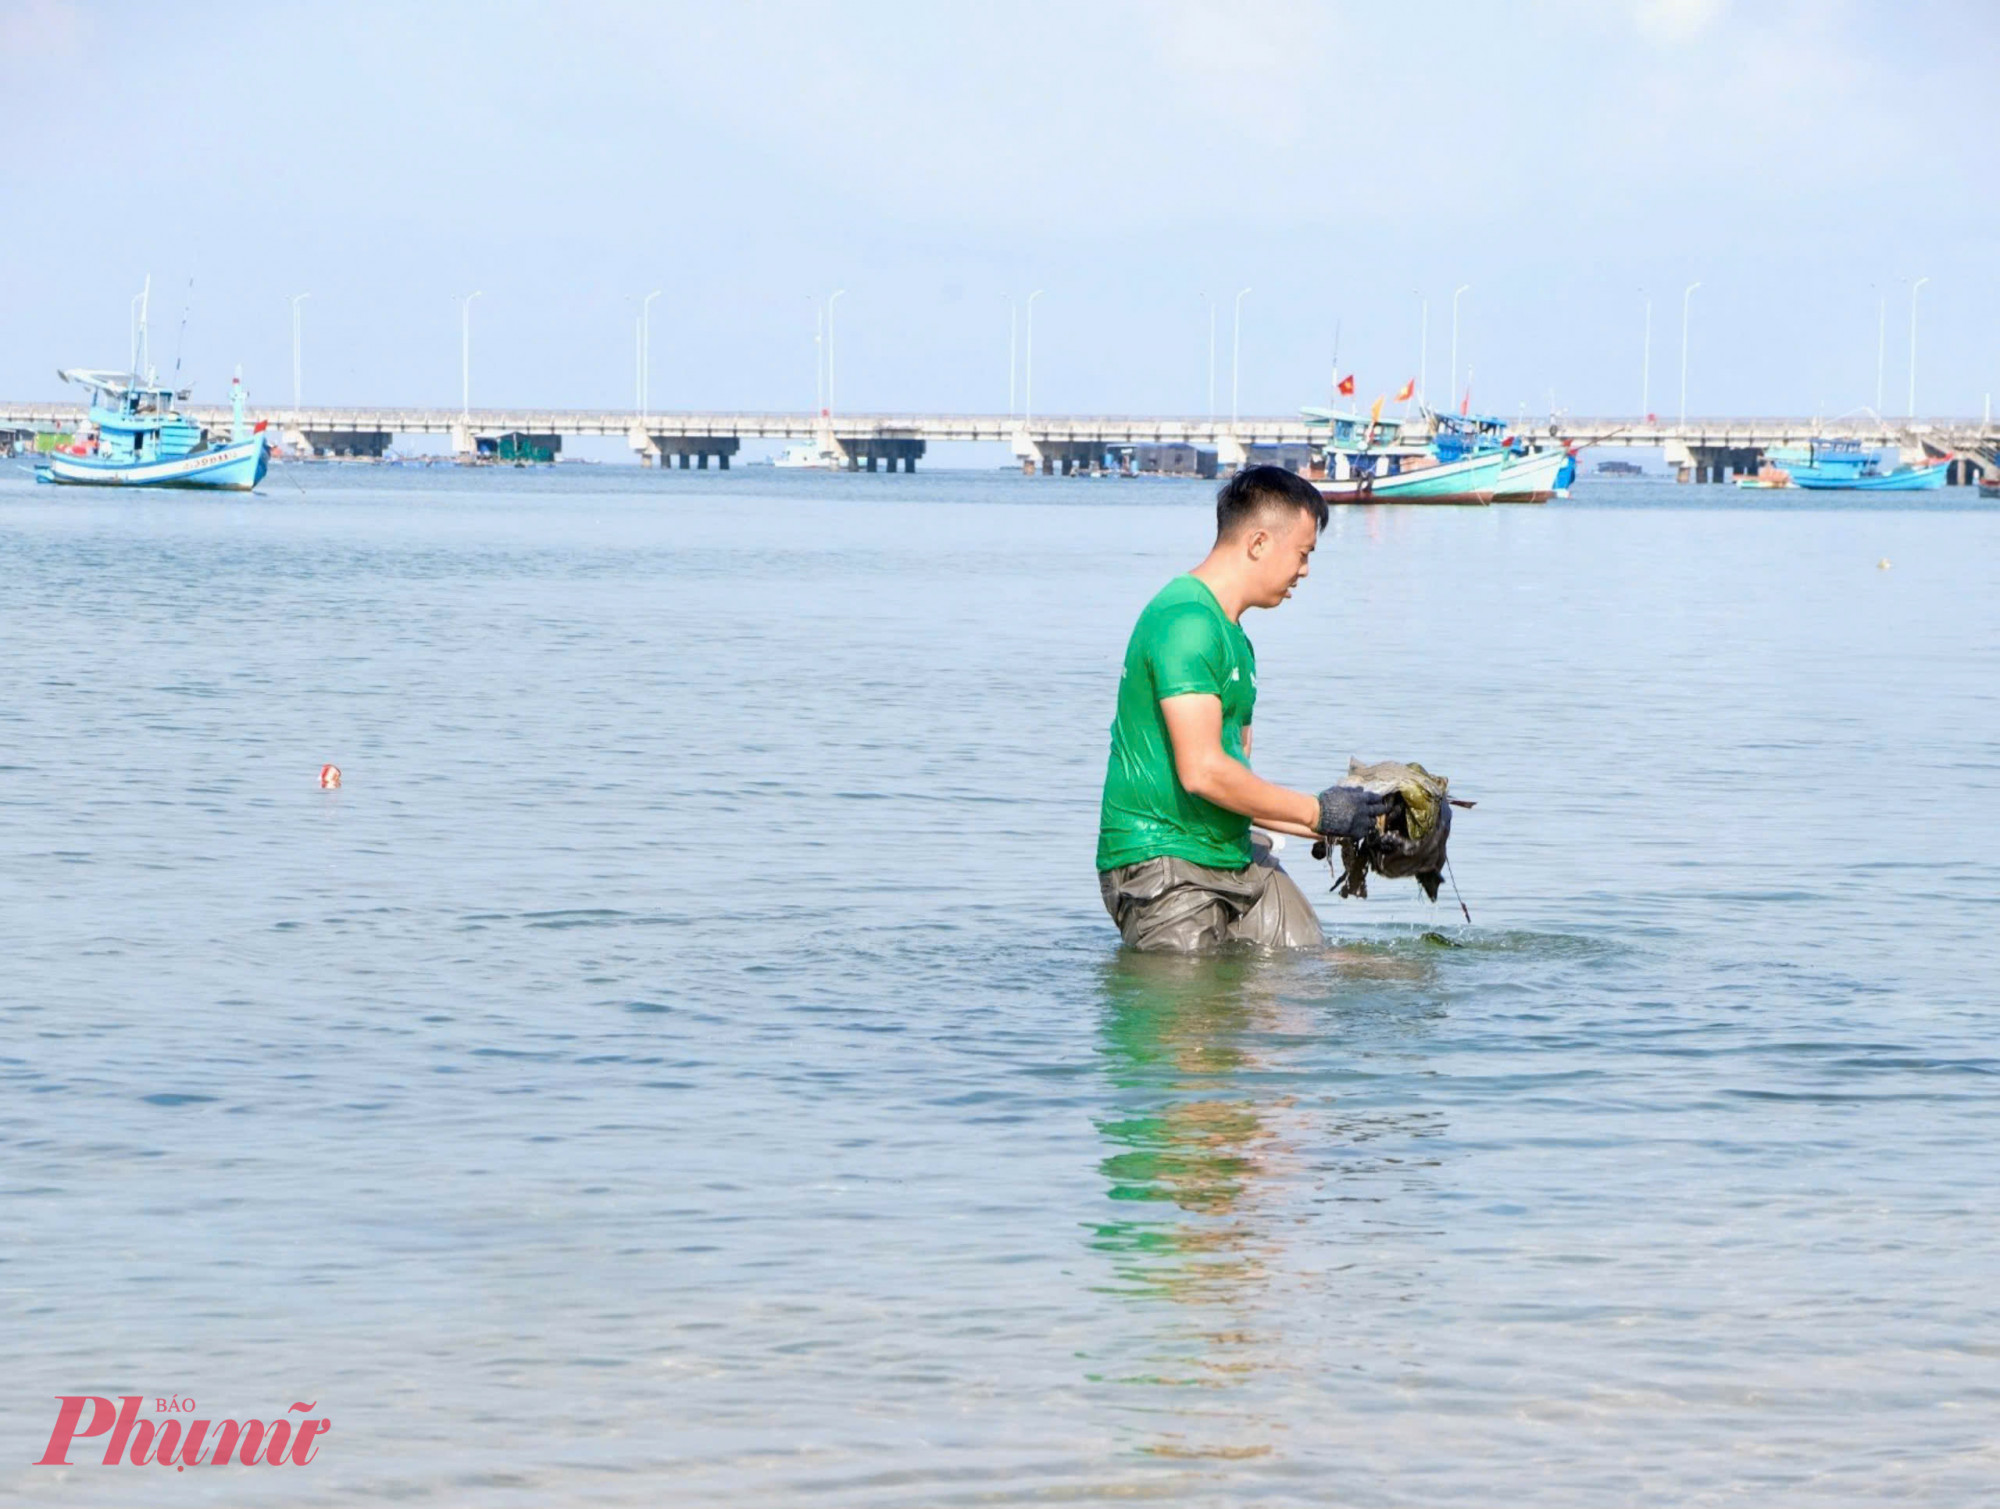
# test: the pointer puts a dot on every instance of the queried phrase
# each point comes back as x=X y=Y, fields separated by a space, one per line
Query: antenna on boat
x=181 y=339
x=1333 y=393
x=142 y=364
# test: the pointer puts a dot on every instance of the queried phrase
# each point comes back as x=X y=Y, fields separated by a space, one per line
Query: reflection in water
x=1177 y=1038
x=1220 y=1139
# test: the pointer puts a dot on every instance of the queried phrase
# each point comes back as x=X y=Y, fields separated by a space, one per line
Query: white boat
x=1531 y=476
x=813 y=456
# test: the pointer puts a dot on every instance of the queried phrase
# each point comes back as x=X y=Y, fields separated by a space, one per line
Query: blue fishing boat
x=135 y=437
x=1531 y=474
x=1844 y=466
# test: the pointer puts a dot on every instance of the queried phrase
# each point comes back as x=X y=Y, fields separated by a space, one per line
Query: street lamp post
x=1453 y=392
x=1913 y=344
x=1686 y=296
x=297 y=299
x=1646 y=369
x=1236 y=357
x=465 y=354
x=1028 y=400
x=832 y=299
x=646 y=356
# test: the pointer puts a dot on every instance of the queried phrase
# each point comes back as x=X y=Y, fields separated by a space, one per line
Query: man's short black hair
x=1257 y=488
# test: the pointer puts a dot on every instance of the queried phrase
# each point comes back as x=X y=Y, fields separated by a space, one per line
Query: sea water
x=687 y=1061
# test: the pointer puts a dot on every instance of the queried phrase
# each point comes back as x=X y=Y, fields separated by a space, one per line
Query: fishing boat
x=1531 y=474
x=1842 y=465
x=1365 y=458
x=1415 y=479
x=136 y=437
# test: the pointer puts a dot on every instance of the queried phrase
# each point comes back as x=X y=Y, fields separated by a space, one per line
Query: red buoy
x=329 y=777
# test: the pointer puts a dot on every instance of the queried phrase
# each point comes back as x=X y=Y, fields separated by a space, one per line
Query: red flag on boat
x=258 y=427
x=1407 y=391
x=1347 y=385
x=1465 y=404
x=1375 y=413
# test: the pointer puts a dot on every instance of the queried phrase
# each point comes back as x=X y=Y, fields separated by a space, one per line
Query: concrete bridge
x=1700 y=450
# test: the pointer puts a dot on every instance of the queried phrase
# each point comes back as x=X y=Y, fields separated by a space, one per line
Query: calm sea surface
x=687 y=1063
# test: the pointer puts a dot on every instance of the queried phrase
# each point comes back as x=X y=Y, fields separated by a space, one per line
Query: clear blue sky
x=1801 y=160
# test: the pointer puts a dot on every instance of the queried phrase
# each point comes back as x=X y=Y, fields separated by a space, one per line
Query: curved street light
x=832 y=299
x=1028 y=399
x=465 y=353
x=297 y=299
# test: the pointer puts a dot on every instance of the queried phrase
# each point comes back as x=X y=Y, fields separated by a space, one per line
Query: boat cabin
x=136 y=421
x=1337 y=430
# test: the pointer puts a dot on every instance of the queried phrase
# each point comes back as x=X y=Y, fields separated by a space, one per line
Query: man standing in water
x=1175 y=860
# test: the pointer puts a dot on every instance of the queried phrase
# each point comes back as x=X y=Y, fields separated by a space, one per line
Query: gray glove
x=1350 y=812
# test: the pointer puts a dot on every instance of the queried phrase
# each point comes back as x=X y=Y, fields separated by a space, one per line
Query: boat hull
x=1531 y=478
x=237 y=468
x=1915 y=479
x=1473 y=480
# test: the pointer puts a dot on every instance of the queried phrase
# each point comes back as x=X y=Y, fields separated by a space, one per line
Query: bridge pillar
x=1680 y=458
x=463 y=441
x=348 y=443
x=1064 y=456
x=1232 y=453
x=721 y=447
x=881 y=452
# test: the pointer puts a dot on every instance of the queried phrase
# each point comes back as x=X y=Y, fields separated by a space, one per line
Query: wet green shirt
x=1182 y=643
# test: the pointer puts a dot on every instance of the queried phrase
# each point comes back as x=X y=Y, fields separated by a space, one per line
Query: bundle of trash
x=1409 y=839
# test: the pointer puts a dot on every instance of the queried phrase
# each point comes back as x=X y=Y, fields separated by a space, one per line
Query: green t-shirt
x=1182 y=643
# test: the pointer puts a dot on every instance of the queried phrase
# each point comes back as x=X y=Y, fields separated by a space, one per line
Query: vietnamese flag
x=1347 y=386
x=1407 y=392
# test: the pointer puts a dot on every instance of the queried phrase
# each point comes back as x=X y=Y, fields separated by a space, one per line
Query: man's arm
x=1274 y=825
x=1204 y=768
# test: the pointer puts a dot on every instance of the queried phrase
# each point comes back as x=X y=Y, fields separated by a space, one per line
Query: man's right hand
x=1349 y=812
